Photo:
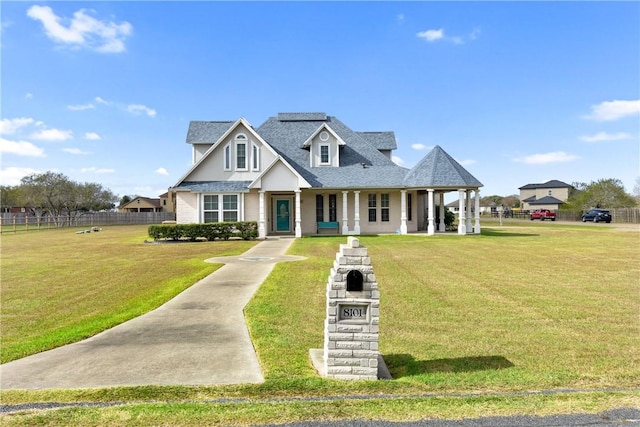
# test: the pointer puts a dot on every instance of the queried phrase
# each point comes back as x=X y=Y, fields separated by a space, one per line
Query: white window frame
x=220 y=209
x=255 y=157
x=227 y=157
x=215 y=211
x=320 y=147
x=241 y=139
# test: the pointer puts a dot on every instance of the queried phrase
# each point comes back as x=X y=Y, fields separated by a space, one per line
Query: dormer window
x=324 y=154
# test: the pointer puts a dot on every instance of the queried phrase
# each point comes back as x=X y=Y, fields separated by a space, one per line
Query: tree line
x=54 y=194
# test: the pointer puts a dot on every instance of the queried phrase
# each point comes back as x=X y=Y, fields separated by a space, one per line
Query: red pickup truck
x=542 y=214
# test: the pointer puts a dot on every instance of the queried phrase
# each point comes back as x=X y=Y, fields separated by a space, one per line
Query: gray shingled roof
x=287 y=137
x=438 y=169
x=302 y=117
x=546 y=200
x=554 y=183
x=214 y=186
x=380 y=140
x=206 y=132
x=362 y=165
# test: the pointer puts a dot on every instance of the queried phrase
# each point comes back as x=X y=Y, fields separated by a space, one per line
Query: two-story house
x=549 y=195
x=308 y=173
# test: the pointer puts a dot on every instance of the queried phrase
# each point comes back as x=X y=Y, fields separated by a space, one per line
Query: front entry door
x=283 y=216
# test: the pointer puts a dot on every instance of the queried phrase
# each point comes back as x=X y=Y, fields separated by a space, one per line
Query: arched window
x=241 y=152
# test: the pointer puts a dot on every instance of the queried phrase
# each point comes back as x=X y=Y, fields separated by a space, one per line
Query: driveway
x=198 y=338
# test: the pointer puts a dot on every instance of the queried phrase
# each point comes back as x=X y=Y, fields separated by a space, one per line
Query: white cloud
x=28 y=95
x=397 y=160
x=75 y=151
x=10 y=126
x=552 y=157
x=96 y=170
x=604 y=136
x=82 y=30
x=101 y=100
x=20 y=148
x=92 y=136
x=52 y=135
x=613 y=110
x=81 y=107
x=431 y=35
x=138 y=109
x=12 y=176
x=162 y=171
x=418 y=146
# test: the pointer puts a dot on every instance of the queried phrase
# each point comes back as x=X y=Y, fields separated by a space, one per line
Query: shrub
x=210 y=231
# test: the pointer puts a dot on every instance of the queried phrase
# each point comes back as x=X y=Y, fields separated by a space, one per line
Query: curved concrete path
x=198 y=338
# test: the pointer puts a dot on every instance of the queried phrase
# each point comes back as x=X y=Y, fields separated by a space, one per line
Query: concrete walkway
x=198 y=338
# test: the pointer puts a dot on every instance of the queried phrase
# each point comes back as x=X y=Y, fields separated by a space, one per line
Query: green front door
x=282 y=215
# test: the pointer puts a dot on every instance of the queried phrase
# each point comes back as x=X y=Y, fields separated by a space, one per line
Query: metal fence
x=14 y=222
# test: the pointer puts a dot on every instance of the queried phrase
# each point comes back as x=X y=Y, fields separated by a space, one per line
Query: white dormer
x=324 y=147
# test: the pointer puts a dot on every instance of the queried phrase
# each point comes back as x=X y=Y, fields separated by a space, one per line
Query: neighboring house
x=167 y=202
x=141 y=204
x=483 y=206
x=549 y=195
x=308 y=173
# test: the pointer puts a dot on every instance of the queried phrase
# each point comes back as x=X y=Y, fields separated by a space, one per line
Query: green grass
x=521 y=307
x=59 y=287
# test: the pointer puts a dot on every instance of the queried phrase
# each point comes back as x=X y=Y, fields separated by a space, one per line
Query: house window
x=549 y=192
x=210 y=208
x=372 y=207
x=241 y=152
x=227 y=157
x=332 y=208
x=255 y=158
x=230 y=207
x=384 y=207
x=324 y=154
x=220 y=207
x=409 y=206
x=319 y=208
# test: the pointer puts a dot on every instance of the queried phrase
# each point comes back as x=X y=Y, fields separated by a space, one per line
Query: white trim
x=255 y=157
x=257 y=183
x=236 y=144
x=227 y=157
x=328 y=162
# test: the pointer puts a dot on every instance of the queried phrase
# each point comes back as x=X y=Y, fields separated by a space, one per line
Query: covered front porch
x=367 y=211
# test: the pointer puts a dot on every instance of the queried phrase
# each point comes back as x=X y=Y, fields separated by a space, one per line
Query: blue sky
x=518 y=93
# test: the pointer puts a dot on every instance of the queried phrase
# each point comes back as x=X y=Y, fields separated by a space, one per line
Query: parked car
x=597 y=215
x=542 y=214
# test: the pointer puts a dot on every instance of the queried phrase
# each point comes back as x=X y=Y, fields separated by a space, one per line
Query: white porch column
x=468 y=223
x=356 y=216
x=461 y=213
x=442 y=226
x=476 y=227
x=431 y=230
x=345 y=218
x=262 y=231
x=298 y=219
x=403 y=211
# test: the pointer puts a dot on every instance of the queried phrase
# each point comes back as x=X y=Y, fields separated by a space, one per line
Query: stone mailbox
x=352 y=321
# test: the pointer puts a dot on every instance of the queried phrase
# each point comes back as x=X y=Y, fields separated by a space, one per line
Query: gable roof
x=380 y=140
x=546 y=200
x=147 y=200
x=440 y=169
x=207 y=132
x=362 y=162
x=554 y=183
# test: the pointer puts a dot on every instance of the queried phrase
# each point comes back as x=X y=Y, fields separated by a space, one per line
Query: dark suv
x=597 y=215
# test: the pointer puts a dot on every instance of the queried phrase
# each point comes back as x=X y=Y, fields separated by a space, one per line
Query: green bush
x=210 y=231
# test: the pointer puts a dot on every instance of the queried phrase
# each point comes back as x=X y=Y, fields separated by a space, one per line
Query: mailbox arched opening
x=354 y=281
